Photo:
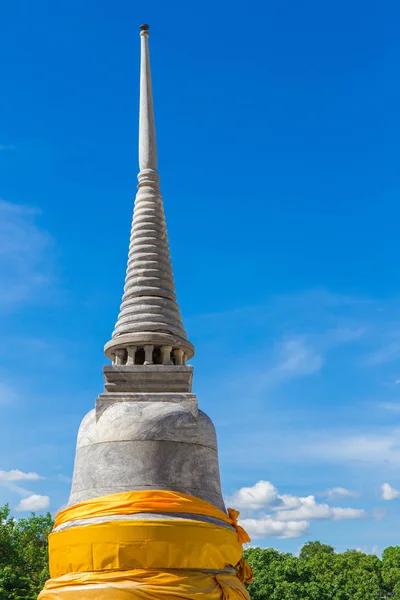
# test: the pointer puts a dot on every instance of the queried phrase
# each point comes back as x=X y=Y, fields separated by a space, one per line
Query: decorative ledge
x=148 y=378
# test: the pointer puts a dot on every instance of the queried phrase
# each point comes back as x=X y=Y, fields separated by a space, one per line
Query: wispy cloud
x=393 y=406
x=25 y=263
x=369 y=447
x=294 y=336
x=291 y=358
x=6 y=147
x=296 y=358
x=7 y=394
x=378 y=513
x=9 y=479
x=314 y=323
x=64 y=478
x=388 y=352
x=16 y=489
x=338 y=492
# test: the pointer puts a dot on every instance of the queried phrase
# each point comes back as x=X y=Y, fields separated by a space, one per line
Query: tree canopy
x=319 y=573
x=23 y=555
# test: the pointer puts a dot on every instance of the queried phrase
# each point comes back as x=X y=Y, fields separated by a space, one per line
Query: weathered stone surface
x=163 y=421
x=110 y=468
x=146 y=445
x=150 y=378
x=103 y=401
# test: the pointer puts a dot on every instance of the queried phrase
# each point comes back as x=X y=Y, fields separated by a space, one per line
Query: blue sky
x=278 y=133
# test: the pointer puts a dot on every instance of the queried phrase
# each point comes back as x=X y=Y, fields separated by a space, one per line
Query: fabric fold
x=147 y=559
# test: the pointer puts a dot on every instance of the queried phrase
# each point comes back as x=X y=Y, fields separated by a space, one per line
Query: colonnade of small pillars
x=149 y=355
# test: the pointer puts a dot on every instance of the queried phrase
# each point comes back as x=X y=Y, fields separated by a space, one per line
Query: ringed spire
x=149 y=329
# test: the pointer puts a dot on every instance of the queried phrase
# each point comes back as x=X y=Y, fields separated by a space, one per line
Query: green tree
x=319 y=573
x=391 y=570
x=315 y=549
x=23 y=555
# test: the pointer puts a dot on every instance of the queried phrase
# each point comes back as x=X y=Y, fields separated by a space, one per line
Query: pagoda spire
x=149 y=329
x=147 y=128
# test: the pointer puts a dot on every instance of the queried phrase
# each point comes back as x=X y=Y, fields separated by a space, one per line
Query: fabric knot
x=244 y=537
x=244 y=571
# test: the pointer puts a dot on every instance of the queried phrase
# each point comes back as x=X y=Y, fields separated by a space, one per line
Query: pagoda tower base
x=146 y=518
x=153 y=440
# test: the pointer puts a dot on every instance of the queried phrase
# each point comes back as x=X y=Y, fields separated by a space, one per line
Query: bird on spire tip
x=144 y=27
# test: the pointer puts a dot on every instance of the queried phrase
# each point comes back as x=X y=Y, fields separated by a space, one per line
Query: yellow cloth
x=145 y=585
x=244 y=571
x=149 y=501
x=143 y=545
x=146 y=559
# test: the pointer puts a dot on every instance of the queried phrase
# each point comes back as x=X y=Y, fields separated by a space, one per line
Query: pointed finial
x=147 y=130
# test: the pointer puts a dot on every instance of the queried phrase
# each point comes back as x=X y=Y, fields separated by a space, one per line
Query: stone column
x=178 y=354
x=120 y=357
x=148 y=354
x=166 y=355
x=131 y=355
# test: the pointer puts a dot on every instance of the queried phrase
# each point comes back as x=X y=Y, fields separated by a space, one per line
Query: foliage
x=319 y=573
x=23 y=555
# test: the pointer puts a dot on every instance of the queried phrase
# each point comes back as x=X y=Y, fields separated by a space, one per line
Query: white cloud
x=267 y=527
x=8 y=479
x=338 y=492
x=34 y=502
x=309 y=509
x=289 y=515
x=25 y=257
x=261 y=495
x=389 y=493
x=17 y=475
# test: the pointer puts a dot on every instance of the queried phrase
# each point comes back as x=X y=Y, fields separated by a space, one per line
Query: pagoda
x=146 y=518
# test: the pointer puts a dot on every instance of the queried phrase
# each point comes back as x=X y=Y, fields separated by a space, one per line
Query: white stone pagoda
x=146 y=518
